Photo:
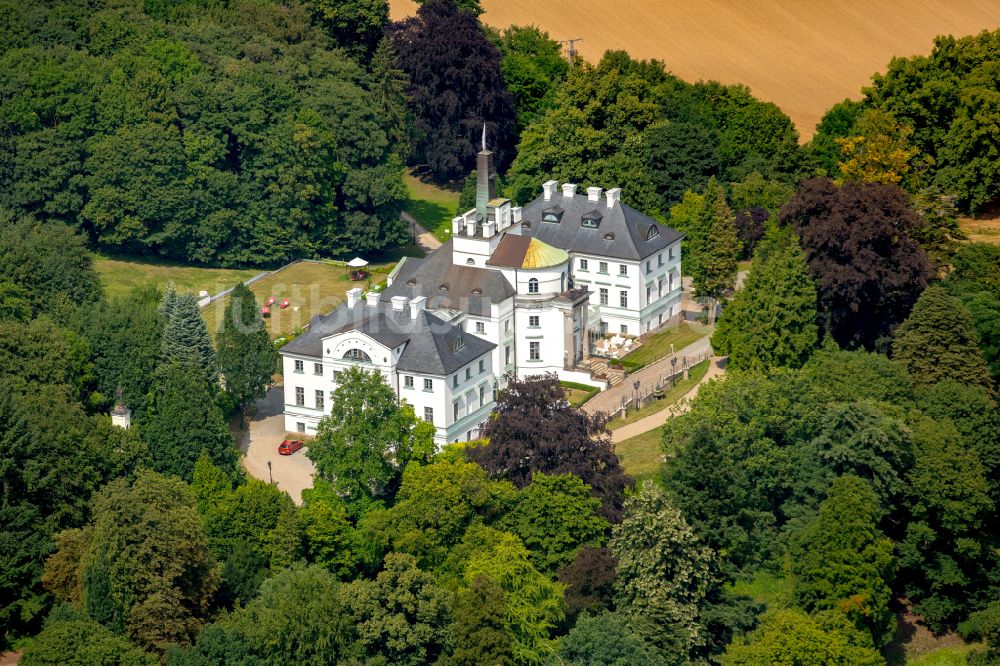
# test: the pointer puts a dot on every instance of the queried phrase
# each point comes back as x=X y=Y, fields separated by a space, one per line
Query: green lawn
x=671 y=396
x=432 y=206
x=119 y=276
x=657 y=346
x=946 y=656
x=577 y=394
x=641 y=455
x=312 y=288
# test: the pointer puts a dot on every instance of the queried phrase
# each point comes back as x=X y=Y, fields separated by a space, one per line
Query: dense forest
x=849 y=460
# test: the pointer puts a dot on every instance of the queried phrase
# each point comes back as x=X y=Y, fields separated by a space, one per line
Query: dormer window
x=652 y=233
x=458 y=344
x=591 y=220
x=553 y=215
x=357 y=355
x=609 y=236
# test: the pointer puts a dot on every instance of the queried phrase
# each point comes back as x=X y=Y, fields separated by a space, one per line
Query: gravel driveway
x=293 y=473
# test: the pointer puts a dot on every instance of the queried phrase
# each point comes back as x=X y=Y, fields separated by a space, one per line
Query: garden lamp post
x=269 y=479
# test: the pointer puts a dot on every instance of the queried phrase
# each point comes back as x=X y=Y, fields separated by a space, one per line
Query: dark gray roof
x=629 y=228
x=430 y=341
x=446 y=285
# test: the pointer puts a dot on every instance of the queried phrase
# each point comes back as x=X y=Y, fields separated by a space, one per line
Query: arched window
x=357 y=355
x=533 y=286
x=470 y=261
x=652 y=233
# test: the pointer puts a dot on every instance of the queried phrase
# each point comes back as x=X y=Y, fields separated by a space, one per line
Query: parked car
x=289 y=446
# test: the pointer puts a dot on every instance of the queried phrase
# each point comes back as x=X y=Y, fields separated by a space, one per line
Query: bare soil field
x=803 y=55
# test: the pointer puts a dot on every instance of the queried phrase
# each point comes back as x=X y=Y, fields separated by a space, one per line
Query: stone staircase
x=599 y=369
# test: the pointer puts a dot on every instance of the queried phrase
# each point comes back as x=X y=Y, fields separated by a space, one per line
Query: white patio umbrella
x=357 y=262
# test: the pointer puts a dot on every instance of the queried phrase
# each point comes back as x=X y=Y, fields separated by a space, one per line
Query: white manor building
x=516 y=290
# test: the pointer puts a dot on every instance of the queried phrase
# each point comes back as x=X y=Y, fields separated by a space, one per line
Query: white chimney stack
x=372 y=298
x=398 y=302
x=594 y=194
x=614 y=195
x=549 y=187
x=569 y=189
x=353 y=295
x=470 y=227
x=456 y=225
x=417 y=305
x=489 y=229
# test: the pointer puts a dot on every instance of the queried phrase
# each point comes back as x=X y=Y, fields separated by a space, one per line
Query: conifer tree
x=185 y=336
x=712 y=239
x=771 y=321
x=480 y=629
x=247 y=359
x=937 y=341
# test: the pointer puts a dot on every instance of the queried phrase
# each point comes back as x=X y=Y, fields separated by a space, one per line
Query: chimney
x=470 y=227
x=456 y=225
x=486 y=177
x=372 y=298
x=515 y=214
x=399 y=302
x=549 y=187
x=569 y=189
x=489 y=229
x=353 y=295
x=593 y=194
x=614 y=196
x=416 y=306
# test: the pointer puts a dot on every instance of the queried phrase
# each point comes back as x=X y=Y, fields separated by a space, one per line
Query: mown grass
x=577 y=394
x=312 y=288
x=432 y=206
x=120 y=275
x=946 y=656
x=641 y=455
x=657 y=346
x=672 y=395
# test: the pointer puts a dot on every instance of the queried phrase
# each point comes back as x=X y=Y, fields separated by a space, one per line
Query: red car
x=289 y=446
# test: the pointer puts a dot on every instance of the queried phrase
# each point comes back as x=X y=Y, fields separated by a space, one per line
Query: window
x=591 y=220
x=408 y=381
x=454 y=410
x=649 y=293
x=534 y=351
x=300 y=396
x=583 y=264
x=506 y=325
x=604 y=296
x=602 y=267
x=468 y=436
x=319 y=399
x=652 y=233
x=481 y=327
x=482 y=366
x=649 y=266
x=454 y=381
x=671 y=282
x=470 y=261
x=482 y=395
x=533 y=321
x=659 y=287
x=623 y=299
x=336 y=376
x=468 y=373
x=458 y=343
x=357 y=355
x=552 y=215
x=670 y=253
x=318 y=369
x=659 y=259
x=428 y=385
x=624 y=329
x=429 y=414
x=299 y=366
x=533 y=286
x=622 y=270
x=300 y=426
x=506 y=355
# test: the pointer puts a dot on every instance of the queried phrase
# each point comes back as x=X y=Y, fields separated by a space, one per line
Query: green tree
x=938 y=341
x=367 y=440
x=14 y=303
x=402 y=617
x=182 y=420
x=210 y=484
x=665 y=573
x=251 y=518
x=792 y=638
x=771 y=321
x=247 y=359
x=555 y=516
x=533 y=69
x=878 y=151
x=82 y=642
x=608 y=638
x=713 y=246
x=842 y=561
x=757 y=191
x=822 y=153
x=327 y=534
x=149 y=570
x=532 y=604
x=480 y=633
x=185 y=339
x=356 y=25
x=682 y=156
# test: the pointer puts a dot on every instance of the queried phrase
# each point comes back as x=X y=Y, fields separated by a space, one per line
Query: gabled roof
x=432 y=346
x=525 y=252
x=623 y=233
x=444 y=284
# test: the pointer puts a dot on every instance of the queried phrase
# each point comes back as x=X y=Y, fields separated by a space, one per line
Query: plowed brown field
x=803 y=55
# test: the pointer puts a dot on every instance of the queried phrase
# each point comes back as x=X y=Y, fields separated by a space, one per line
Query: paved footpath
x=653 y=421
x=610 y=400
x=425 y=239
